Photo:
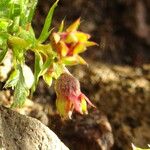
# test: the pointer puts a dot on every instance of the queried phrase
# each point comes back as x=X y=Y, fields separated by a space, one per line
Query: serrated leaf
x=13 y=79
x=21 y=91
x=45 y=31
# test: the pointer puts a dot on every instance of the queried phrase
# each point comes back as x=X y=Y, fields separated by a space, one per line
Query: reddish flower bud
x=69 y=96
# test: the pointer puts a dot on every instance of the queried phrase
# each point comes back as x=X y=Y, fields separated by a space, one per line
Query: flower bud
x=69 y=96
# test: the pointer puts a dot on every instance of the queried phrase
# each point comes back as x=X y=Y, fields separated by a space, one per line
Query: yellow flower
x=70 y=43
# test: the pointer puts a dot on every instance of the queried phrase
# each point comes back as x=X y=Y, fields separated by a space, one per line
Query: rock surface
x=86 y=132
x=19 y=132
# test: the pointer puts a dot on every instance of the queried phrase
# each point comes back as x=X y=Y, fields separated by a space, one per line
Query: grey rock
x=19 y=132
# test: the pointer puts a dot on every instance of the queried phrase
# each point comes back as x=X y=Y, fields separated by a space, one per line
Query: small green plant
x=137 y=148
x=51 y=59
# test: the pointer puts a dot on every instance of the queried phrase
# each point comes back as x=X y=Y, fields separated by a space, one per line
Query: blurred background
x=117 y=79
x=120 y=27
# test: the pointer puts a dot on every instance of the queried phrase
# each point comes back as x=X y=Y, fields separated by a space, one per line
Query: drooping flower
x=70 y=43
x=69 y=96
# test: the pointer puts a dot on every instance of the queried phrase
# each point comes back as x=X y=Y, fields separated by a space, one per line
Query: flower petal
x=56 y=37
x=71 y=38
x=62 y=48
x=81 y=60
x=84 y=106
x=73 y=60
x=88 y=101
x=82 y=37
x=79 y=48
x=90 y=43
x=74 y=26
x=77 y=106
x=63 y=107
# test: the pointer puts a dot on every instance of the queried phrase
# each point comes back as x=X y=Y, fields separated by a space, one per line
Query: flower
x=70 y=43
x=69 y=96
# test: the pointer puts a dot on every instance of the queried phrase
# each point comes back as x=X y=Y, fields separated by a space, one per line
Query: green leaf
x=137 y=148
x=19 y=11
x=3 y=45
x=55 y=72
x=58 y=70
x=45 y=66
x=15 y=26
x=17 y=42
x=45 y=31
x=21 y=91
x=37 y=68
x=4 y=23
x=19 y=46
x=32 y=9
x=4 y=2
x=46 y=50
x=2 y=54
x=28 y=36
x=13 y=79
x=48 y=79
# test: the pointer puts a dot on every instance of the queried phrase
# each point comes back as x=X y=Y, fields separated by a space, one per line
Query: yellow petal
x=62 y=48
x=90 y=43
x=56 y=37
x=70 y=60
x=82 y=37
x=61 y=107
x=71 y=38
x=73 y=60
x=74 y=26
x=81 y=60
x=84 y=106
x=79 y=48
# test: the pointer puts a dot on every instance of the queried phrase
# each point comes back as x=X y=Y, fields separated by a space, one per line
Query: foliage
x=17 y=34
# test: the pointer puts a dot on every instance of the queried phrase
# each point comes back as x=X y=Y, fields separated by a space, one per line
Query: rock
x=123 y=94
x=85 y=132
x=19 y=132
